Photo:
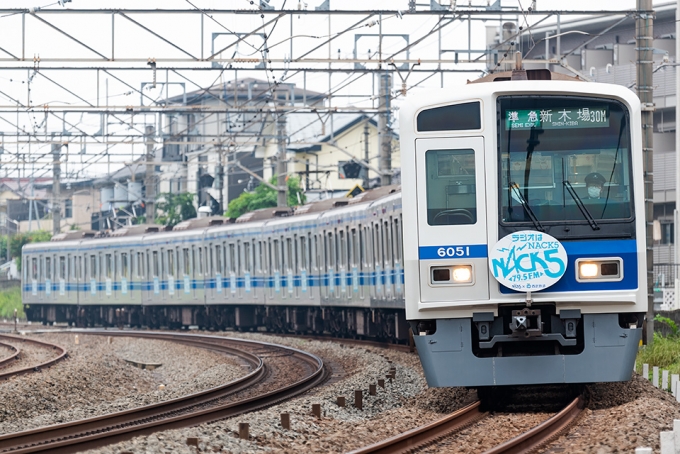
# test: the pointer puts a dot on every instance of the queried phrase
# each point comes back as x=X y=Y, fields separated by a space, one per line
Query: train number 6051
x=451 y=251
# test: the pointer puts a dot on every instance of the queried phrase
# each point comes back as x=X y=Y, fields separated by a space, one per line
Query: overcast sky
x=82 y=87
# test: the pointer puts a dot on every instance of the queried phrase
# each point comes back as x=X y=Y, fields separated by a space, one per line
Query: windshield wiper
x=514 y=187
x=581 y=206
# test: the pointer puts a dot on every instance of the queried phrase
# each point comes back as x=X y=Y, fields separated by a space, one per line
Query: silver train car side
x=334 y=266
x=524 y=161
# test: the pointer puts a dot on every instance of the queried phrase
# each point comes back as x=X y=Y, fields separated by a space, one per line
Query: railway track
x=61 y=354
x=210 y=405
x=12 y=356
x=431 y=433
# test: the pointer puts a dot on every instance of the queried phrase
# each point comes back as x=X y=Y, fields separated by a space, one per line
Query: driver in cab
x=594 y=185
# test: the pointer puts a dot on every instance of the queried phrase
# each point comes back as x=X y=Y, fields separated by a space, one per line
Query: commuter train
x=332 y=266
x=525 y=246
x=521 y=259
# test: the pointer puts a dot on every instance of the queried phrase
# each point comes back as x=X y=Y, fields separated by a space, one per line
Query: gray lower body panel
x=608 y=356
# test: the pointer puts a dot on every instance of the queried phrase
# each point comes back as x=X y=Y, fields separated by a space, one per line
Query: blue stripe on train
x=255 y=282
x=625 y=249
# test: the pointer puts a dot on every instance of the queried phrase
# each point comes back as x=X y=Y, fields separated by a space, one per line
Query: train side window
x=48 y=267
x=218 y=259
x=86 y=268
x=353 y=248
x=458 y=117
x=154 y=264
x=387 y=242
x=331 y=257
x=259 y=256
x=450 y=187
x=303 y=253
x=342 y=248
x=186 y=261
x=276 y=256
x=239 y=262
x=62 y=267
x=397 y=241
x=288 y=255
x=231 y=260
x=200 y=261
x=108 y=266
x=124 y=265
x=34 y=268
x=171 y=262
x=376 y=244
x=362 y=248
x=268 y=257
x=93 y=266
x=247 y=257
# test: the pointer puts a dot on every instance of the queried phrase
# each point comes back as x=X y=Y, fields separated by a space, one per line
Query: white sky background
x=131 y=41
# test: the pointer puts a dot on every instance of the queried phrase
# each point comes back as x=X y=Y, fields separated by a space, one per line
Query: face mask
x=594 y=192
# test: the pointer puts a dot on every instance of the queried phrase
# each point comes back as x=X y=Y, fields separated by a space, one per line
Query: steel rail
x=543 y=433
x=180 y=412
x=63 y=353
x=12 y=356
x=426 y=434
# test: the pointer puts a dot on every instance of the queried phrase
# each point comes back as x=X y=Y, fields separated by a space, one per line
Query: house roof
x=305 y=128
x=249 y=89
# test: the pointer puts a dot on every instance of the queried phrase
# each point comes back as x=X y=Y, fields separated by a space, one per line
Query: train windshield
x=564 y=159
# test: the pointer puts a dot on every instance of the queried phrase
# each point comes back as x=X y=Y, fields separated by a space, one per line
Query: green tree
x=17 y=242
x=265 y=197
x=171 y=209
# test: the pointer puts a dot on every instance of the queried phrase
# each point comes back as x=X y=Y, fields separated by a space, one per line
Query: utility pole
x=150 y=180
x=56 y=188
x=366 y=157
x=281 y=170
x=644 y=35
x=385 y=105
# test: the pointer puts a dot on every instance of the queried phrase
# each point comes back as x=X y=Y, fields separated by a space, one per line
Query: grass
x=664 y=352
x=10 y=299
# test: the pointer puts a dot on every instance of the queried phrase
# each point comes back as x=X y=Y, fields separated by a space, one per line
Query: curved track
x=186 y=411
x=61 y=354
x=543 y=433
x=456 y=421
x=14 y=355
x=428 y=433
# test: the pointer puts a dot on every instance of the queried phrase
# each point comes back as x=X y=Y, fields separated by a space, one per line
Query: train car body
x=332 y=267
x=507 y=160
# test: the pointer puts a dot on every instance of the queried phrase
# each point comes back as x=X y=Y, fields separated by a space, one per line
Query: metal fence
x=665 y=274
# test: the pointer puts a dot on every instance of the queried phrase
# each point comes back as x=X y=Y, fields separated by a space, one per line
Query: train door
x=248 y=269
x=378 y=268
x=303 y=243
x=398 y=254
x=388 y=259
x=452 y=224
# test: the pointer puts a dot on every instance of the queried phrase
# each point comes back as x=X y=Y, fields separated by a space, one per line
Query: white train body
x=473 y=157
x=334 y=267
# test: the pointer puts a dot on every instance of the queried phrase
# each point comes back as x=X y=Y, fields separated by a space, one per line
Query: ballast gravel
x=619 y=417
x=96 y=379
x=401 y=405
x=30 y=355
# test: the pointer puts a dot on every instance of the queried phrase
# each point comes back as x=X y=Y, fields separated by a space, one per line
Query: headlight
x=462 y=274
x=609 y=269
x=588 y=270
x=453 y=274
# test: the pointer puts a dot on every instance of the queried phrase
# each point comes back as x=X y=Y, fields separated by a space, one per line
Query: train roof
x=219 y=224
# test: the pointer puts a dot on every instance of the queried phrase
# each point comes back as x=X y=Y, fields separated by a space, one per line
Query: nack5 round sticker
x=528 y=261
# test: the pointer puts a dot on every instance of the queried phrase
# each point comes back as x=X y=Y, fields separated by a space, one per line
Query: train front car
x=525 y=255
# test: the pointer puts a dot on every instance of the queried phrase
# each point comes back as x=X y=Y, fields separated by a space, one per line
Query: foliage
x=265 y=197
x=10 y=299
x=171 y=209
x=668 y=322
x=17 y=242
x=664 y=352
